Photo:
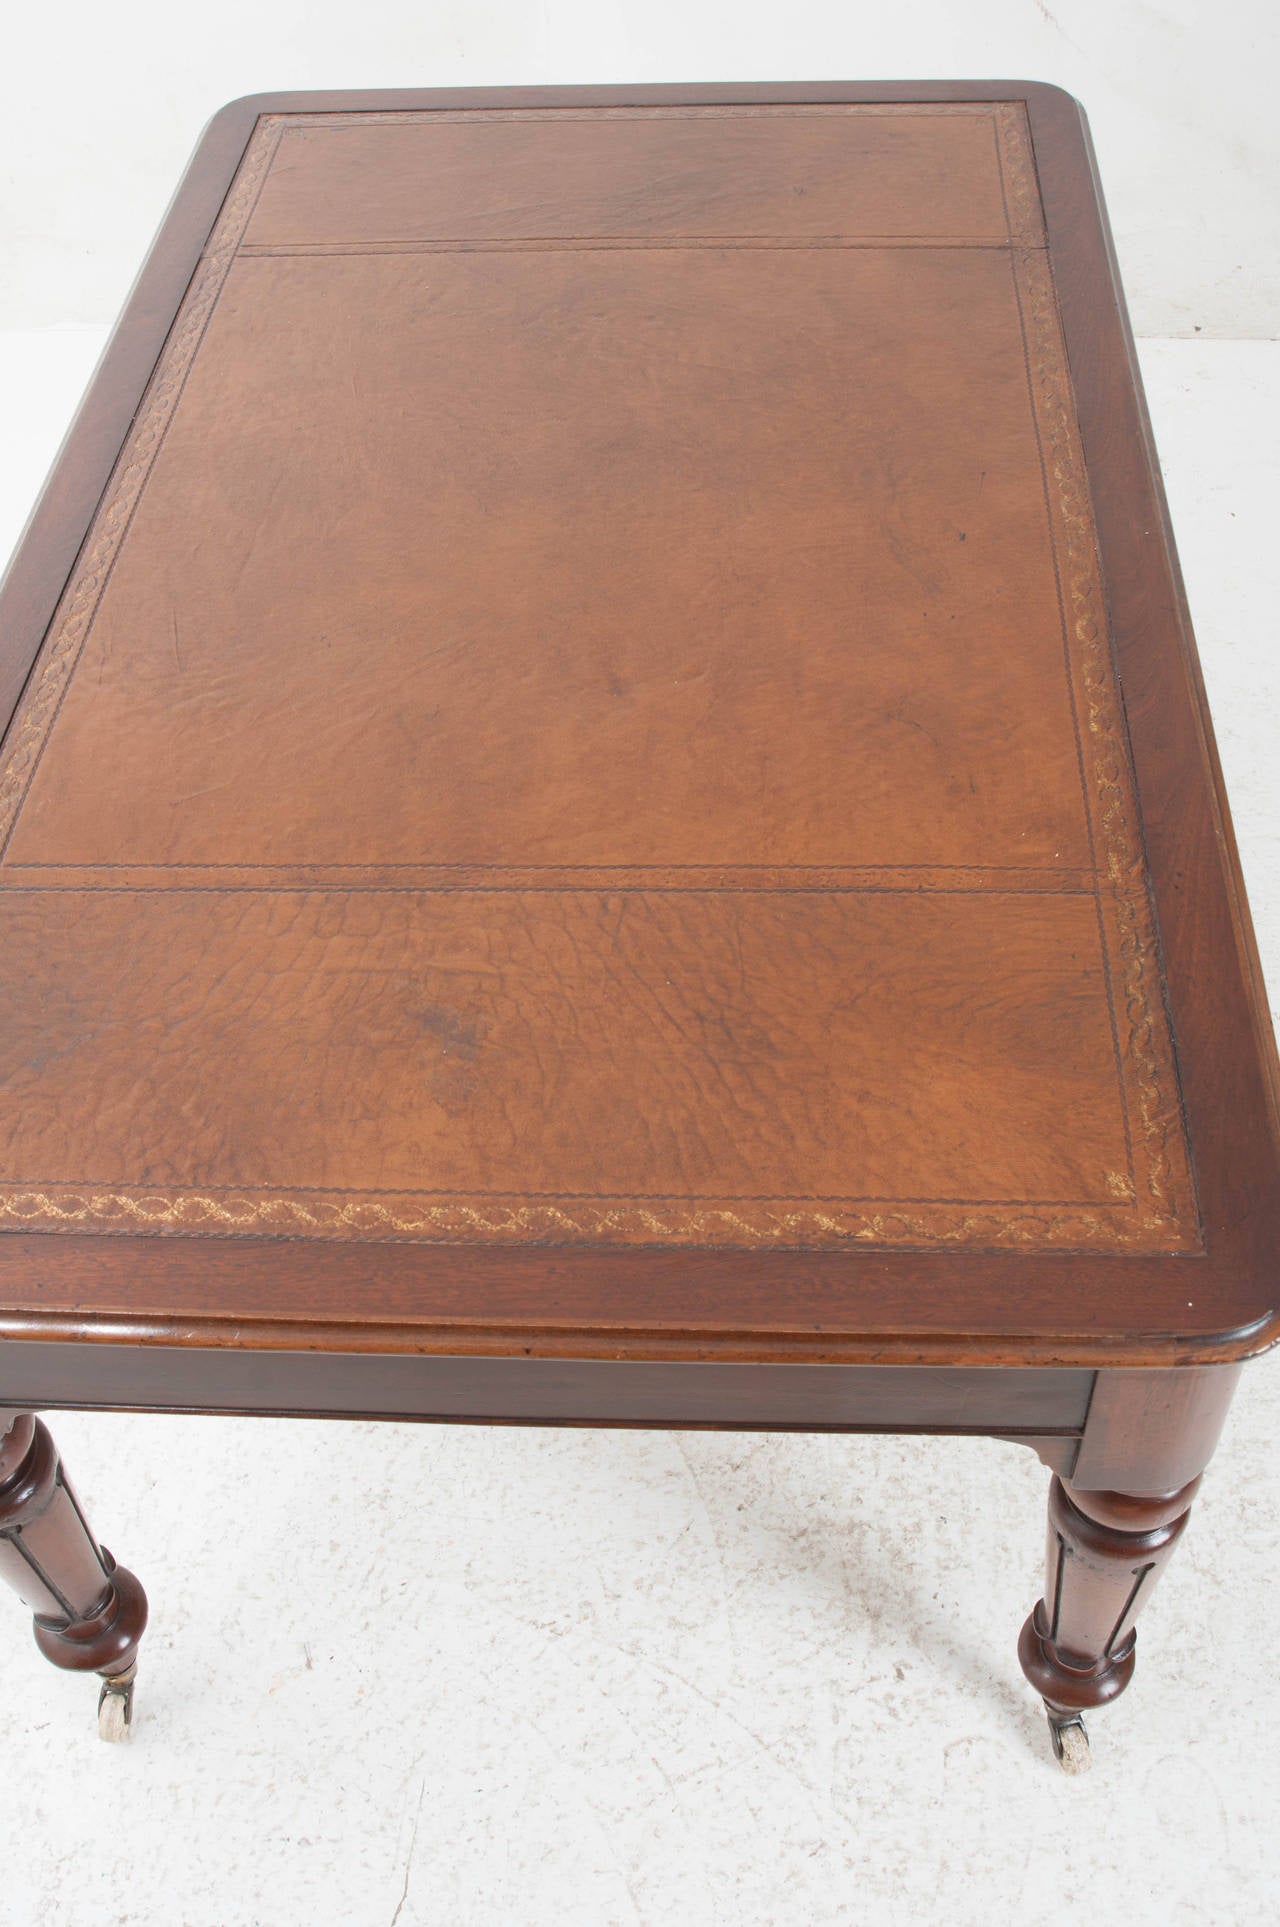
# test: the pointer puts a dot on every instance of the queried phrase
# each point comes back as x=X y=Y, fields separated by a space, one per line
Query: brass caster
x=115 y=1705
x=1070 y=1743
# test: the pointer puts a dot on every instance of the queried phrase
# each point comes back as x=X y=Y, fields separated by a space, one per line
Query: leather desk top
x=607 y=752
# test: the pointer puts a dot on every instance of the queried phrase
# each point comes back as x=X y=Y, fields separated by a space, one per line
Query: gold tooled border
x=1146 y=1060
x=75 y=612
x=596 y=1220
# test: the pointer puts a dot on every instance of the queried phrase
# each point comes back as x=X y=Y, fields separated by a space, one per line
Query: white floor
x=420 y=1677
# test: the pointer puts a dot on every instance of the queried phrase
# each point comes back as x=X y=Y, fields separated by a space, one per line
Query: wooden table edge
x=1050 y=106
x=547 y=1338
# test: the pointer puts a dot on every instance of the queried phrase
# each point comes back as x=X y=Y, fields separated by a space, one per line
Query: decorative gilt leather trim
x=748 y=1225
x=61 y=651
x=1018 y=175
x=1153 y=1206
x=1146 y=1059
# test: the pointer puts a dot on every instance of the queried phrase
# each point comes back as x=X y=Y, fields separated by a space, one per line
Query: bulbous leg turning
x=89 y=1612
x=1106 y=1550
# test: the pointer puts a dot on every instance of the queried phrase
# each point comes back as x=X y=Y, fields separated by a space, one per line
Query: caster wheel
x=115 y=1706
x=1070 y=1745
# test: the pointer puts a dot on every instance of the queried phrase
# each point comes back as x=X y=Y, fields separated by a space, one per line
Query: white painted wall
x=100 y=105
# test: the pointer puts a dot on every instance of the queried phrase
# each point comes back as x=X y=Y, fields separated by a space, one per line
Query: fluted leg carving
x=1106 y=1550
x=89 y=1612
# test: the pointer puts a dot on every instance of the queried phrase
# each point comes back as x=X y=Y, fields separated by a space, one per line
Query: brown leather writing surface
x=657 y=618
x=888 y=172
x=363 y=1023
x=586 y=717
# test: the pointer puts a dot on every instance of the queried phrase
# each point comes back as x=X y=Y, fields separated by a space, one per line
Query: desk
x=609 y=818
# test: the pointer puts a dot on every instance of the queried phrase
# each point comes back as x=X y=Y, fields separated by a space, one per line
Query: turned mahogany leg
x=1106 y=1550
x=1116 y=1511
x=90 y=1613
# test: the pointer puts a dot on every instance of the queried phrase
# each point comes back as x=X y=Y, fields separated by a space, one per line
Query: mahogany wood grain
x=541 y=1390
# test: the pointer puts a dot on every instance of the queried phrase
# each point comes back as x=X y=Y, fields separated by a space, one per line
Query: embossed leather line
x=605 y=243
x=1121 y=1199
x=719 y=110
